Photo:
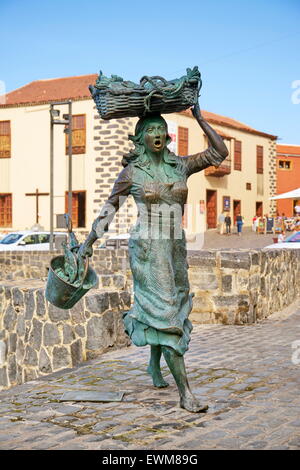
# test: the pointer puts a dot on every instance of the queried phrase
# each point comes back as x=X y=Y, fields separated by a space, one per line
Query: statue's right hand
x=85 y=250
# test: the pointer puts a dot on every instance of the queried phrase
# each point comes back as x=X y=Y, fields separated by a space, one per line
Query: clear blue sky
x=247 y=51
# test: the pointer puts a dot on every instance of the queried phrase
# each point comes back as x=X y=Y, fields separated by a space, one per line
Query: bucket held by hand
x=63 y=294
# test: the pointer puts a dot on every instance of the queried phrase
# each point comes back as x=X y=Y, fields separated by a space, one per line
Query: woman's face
x=155 y=135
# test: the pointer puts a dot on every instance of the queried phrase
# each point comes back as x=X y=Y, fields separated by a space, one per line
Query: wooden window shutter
x=259 y=159
x=5 y=210
x=183 y=141
x=5 y=139
x=238 y=155
x=78 y=134
x=74 y=207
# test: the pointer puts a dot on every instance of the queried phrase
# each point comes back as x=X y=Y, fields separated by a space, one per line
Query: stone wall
x=110 y=265
x=233 y=287
x=241 y=287
x=37 y=338
x=230 y=287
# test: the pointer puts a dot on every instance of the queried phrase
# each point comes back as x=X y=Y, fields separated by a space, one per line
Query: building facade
x=242 y=184
x=288 y=176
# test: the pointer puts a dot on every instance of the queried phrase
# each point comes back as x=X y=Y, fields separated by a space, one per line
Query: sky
x=247 y=51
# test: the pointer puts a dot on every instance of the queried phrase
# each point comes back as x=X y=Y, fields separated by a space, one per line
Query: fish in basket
x=69 y=275
x=116 y=98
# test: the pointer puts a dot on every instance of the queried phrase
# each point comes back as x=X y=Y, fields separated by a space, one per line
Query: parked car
x=116 y=241
x=291 y=242
x=29 y=240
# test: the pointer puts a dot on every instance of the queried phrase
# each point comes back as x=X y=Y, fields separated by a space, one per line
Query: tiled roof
x=285 y=149
x=57 y=89
x=229 y=122
x=76 y=88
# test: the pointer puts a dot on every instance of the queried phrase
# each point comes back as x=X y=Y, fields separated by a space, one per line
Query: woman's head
x=151 y=134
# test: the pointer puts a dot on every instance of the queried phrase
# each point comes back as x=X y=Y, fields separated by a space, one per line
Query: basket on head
x=116 y=98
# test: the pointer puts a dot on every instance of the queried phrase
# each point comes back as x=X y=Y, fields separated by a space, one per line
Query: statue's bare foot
x=190 y=403
x=157 y=378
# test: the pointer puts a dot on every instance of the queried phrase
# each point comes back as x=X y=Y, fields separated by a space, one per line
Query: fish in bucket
x=69 y=275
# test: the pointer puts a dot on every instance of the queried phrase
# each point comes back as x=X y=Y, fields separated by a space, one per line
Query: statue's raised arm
x=214 y=154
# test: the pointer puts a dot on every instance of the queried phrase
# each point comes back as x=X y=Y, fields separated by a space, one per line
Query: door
x=211 y=208
x=78 y=208
x=236 y=209
x=259 y=209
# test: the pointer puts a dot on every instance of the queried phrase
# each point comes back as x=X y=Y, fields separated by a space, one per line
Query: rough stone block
x=17 y=297
x=44 y=362
x=3 y=377
x=114 y=300
x=21 y=325
x=76 y=352
x=12 y=368
x=202 y=258
x=40 y=303
x=58 y=314
x=68 y=334
x=9 y=318
x=97 y=303
x=51 y=335
x=61 y=357
x=29 y=305
x=77 y=312
x=235 y=260
x=12 y=343
x=30 y=358
x=204 y=281
x=227 y=283
x=35 y=335
x=80 y=331
x=100 y=331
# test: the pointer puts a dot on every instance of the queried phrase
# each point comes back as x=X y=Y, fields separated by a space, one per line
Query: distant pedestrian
x=228 y=224
x=221 y=223
x=239 y=223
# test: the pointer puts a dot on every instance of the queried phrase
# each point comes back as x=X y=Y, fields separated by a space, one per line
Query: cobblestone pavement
x=248 y=239
x=245 y=374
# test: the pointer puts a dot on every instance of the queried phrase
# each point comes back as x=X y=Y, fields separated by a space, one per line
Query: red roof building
x=288 y=176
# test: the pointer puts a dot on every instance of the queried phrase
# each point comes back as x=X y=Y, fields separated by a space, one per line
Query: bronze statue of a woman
x=155 y=177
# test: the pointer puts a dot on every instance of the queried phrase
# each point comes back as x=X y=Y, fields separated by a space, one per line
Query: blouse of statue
x=156 y=178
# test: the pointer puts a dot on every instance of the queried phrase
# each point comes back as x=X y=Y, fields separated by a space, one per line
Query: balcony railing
x=222 y=170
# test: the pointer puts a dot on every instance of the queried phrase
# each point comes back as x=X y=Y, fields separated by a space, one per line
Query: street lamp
x=67 y=121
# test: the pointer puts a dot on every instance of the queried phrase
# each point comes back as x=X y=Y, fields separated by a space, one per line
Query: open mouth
x=157 y=143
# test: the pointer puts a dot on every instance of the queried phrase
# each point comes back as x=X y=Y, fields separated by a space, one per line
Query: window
x=31 y=240
x=238 y=155
x=248 y=186
x=44 y=238
x=259 y=159
x=284 y=164
x=5 y=210
x=183 y=141
x=5 y=140
x=78 y=135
